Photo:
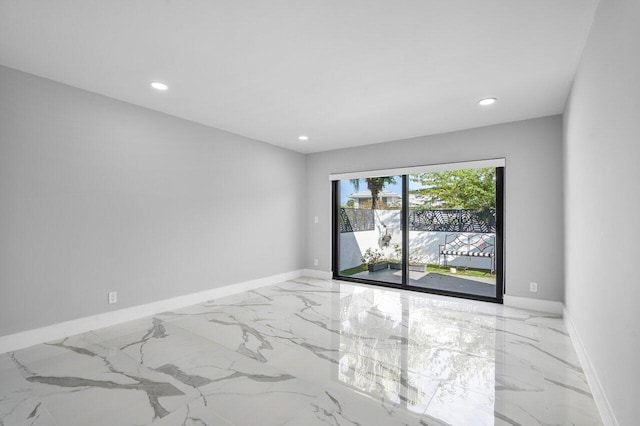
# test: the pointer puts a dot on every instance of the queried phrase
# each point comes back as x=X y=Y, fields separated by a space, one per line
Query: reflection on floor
x=436 y=281
x=307 y=352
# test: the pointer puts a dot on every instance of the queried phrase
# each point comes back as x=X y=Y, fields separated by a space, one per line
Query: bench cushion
x=466 y=253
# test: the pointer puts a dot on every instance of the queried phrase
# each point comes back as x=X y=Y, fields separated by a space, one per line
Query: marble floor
x=307 y=352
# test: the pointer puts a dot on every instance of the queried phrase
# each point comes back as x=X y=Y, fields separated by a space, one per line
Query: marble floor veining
x=307 y=352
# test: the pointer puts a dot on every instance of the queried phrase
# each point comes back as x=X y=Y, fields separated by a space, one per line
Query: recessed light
x=159 y=86
x=487 y=101
x=303 y=138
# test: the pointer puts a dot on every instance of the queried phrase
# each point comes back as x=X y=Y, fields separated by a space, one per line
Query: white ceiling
x=343 y=72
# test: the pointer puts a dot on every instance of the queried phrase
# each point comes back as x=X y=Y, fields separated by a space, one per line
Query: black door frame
x=335 y=244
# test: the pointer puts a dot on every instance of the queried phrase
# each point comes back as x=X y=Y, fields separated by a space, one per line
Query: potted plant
x=374 y=260
x=396 y=260
x=416 y=262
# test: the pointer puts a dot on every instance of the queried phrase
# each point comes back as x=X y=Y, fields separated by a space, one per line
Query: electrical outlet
x=315 y=262
x=533 y=287
x=315 y=219
x=113 y=297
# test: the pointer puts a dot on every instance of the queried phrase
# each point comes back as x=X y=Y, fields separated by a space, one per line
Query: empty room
x=319 y=212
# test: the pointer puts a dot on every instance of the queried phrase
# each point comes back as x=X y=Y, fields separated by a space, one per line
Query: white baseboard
x=61 y=330
x=606 y=413
x=315 y=273
x=547 y=306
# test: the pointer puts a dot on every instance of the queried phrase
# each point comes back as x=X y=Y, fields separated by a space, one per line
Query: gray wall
x=98 y=194
x=602 y=146
x=533 y=193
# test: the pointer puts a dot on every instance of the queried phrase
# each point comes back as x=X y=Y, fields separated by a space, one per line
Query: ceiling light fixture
x=159 y=86
x=303 y=138
x=487 y=101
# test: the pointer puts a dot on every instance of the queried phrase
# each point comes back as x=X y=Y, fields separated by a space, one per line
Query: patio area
x=437 y=281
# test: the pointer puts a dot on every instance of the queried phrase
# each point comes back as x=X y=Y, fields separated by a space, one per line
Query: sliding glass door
x=370 y=229
x=436 y=229
x=452 y=232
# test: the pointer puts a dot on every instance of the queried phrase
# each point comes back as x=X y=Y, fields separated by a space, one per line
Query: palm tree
x=375 y=185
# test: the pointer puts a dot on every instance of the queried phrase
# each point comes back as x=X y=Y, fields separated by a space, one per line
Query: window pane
x=370 y=229
x=452 y=231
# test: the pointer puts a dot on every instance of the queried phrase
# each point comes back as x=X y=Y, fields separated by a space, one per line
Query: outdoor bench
x=474 y=245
